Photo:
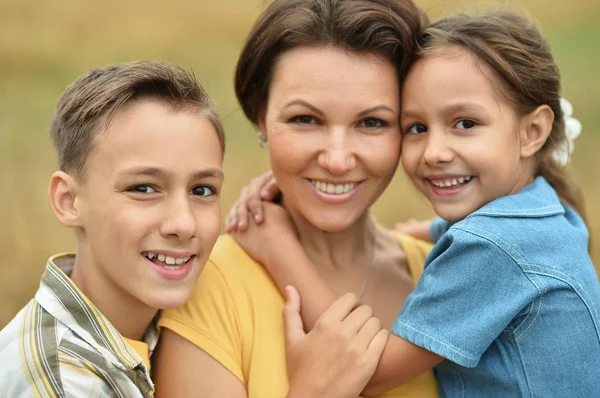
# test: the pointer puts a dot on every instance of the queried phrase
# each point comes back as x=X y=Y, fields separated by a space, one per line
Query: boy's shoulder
x=59 y=344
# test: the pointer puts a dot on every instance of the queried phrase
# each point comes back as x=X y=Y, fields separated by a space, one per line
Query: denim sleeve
x=468 y=294
x=438 y=227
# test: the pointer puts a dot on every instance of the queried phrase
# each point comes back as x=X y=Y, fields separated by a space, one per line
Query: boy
x=140 y=150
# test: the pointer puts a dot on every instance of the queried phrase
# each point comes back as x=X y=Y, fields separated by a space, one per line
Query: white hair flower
x=562 y=154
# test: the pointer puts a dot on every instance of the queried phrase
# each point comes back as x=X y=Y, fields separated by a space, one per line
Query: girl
x=509 y=300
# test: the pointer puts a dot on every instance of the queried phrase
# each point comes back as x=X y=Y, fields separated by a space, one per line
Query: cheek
x=411 y=156
x=381 y=154
x=291 y=153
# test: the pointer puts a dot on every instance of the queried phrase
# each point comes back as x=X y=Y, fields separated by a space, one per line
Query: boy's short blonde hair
x=88 y=105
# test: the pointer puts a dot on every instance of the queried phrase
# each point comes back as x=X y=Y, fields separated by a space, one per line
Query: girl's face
x=461 y=143
x=333 y=132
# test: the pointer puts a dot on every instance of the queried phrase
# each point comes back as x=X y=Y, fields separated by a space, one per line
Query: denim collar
x=537 y=199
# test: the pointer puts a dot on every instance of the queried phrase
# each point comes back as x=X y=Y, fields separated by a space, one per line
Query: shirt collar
x=537 y=199
x=59 y=296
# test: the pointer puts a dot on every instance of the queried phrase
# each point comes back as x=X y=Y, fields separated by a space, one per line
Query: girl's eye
x=145 y=189
x=303 y=119
x=417 y=129
x=372 y=123
x=203 y=190
x=466 y=124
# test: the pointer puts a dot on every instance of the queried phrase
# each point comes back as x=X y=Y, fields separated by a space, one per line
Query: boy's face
x=148 y=206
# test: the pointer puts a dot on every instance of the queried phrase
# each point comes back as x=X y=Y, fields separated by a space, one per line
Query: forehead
x=455 y=70
x=309 y=70
x=149 y=132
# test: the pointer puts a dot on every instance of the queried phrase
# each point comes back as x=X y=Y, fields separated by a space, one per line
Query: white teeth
x=450 y=182
x=330 y=188
x=167 y=259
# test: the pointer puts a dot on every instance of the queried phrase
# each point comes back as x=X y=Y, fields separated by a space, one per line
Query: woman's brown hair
x=516 y=50
x=388 y=28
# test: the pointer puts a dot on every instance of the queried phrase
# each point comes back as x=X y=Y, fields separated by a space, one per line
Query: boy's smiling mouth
x=171 y=262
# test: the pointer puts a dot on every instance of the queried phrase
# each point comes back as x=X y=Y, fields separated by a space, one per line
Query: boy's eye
x=303 y=119
x=202 y=190
x=466 y=124
x=372 y=122
x=417 y=129
x=143 y=188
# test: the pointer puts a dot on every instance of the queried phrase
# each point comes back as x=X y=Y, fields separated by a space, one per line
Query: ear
x=535 y=129
x=62 y=194
x=260 y=126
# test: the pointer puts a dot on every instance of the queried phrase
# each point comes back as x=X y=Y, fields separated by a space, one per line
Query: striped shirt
x=60 y=345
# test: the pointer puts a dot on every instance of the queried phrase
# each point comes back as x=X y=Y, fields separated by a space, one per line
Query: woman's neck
x=337 y=250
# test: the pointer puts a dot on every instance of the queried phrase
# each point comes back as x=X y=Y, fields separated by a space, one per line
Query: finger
x=400 y=227
x=292 y=321
x=270 y=189
x=339 y=309
x=368 y=332
x=241 y=216
x=231 y=224
x=255 y=207
x=378 y=343
x=357 y=318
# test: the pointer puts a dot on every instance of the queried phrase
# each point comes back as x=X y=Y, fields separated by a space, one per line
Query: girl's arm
x=275 y=245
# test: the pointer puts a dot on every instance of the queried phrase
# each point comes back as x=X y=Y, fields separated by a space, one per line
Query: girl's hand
x=249 y=203
x=415 y=228
x=273 y=238
x=338 y=357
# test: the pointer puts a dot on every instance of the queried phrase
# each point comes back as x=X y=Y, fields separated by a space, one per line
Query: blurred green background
x=46 y=45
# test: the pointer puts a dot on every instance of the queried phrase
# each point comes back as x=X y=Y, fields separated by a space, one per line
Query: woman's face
x=333 y=131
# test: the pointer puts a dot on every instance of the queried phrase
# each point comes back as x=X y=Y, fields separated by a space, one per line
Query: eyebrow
x=158 y=172
x=306 y=104
x=457 y=107
x=320 y=112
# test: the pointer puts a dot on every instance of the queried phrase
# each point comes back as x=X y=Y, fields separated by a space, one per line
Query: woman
x=320 y=79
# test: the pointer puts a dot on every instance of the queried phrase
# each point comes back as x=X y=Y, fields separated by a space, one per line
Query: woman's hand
x=273 y=238
x=338 y=357
x=249 y=203
x=415 y=228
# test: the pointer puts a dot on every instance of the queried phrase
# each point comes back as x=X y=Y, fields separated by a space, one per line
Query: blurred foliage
x=46 y=45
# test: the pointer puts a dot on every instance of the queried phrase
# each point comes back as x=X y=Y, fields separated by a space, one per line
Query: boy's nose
x=179 y=220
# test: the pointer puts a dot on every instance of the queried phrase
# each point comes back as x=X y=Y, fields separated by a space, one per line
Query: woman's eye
x=202 y=190
x=417 y=129
x=466 y=124
x=303 y=119
x=146 y=189
x=372 y=123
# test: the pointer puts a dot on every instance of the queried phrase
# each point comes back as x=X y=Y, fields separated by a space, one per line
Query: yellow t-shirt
x=235 y=315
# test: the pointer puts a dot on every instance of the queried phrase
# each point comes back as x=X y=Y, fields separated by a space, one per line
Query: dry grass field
x=46 y=45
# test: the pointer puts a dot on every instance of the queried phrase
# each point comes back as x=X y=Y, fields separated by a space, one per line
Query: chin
x=333 y=222
x=166 y=300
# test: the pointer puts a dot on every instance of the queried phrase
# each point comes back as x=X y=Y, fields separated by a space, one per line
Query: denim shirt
x=510 y=298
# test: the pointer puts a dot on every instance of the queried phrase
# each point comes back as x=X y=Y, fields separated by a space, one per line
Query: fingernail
x=256 y=218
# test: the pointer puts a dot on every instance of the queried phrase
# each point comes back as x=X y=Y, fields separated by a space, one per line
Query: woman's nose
x=338 y=157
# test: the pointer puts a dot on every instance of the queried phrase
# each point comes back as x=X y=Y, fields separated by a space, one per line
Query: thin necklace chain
x=371 y=265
